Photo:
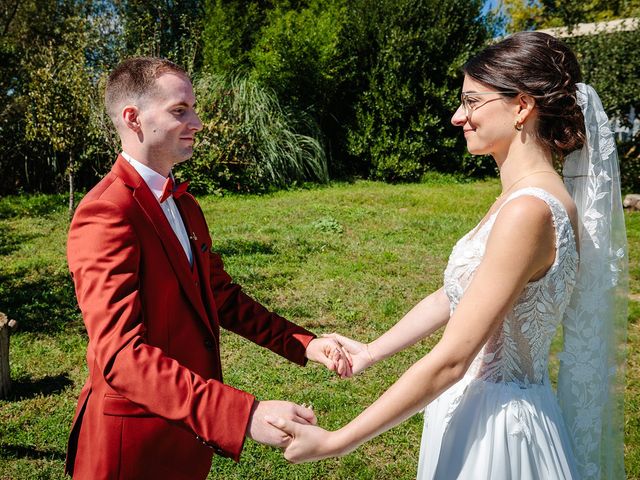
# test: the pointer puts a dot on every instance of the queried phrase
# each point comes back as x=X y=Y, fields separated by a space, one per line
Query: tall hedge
x=402 y=126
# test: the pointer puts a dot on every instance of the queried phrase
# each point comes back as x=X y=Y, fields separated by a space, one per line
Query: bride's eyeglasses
x=471 y=104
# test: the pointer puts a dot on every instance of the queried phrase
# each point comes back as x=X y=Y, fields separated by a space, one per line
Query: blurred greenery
x=379 y=79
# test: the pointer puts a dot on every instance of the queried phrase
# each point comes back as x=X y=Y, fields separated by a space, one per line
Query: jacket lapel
x=200 y=246
x=170 y=243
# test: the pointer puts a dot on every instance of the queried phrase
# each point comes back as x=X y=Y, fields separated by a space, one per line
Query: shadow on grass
x=30 y=205
x=44 y=303
x=10 y=241
x=33 y=453
x=23 y=389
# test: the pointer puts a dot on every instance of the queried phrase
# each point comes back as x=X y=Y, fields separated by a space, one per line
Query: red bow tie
x=171 y=189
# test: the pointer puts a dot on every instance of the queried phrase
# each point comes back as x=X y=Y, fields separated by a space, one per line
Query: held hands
x=328 y=351
x=297 y=433
x=260 y=430
x=358 y=353
x=307 y=443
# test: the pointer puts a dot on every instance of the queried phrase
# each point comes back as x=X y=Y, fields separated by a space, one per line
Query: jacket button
x=197 y=283
x=208 y=344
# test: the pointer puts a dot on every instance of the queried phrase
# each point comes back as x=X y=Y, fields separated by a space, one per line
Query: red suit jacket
x=154 y=405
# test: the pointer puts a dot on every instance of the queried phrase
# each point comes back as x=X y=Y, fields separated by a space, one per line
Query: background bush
x=379 y=78
x=248 y=142
x=402 y=126
x=611 y=64
x=373 y=83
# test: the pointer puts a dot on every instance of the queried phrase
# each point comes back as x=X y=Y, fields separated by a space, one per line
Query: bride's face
x=486 y=117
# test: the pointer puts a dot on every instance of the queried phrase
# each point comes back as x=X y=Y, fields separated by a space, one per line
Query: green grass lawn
x=351 y=258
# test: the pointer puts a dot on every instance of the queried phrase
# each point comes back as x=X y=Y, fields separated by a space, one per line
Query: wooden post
x=5 y=374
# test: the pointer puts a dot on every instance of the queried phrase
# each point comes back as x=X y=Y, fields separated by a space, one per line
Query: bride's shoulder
x=524 y=220
x=524 y=208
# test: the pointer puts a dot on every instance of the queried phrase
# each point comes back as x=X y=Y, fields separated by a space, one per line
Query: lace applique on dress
x=518 y=351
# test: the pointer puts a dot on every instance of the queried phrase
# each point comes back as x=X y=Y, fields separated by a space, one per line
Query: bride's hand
x=359 y=355
x=307 y=442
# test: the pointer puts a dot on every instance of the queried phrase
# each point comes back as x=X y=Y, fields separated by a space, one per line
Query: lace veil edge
x=591 y=376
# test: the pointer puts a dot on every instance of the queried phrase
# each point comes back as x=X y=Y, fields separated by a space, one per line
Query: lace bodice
x=519 y=350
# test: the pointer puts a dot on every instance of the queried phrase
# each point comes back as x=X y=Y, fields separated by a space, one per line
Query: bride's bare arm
x=422 y=320
x=520 y=247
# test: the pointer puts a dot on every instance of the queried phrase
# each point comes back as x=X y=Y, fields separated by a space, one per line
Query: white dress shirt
x=156 y=182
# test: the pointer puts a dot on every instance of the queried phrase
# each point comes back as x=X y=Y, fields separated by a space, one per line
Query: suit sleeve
x=107 y=286
x=243 y=315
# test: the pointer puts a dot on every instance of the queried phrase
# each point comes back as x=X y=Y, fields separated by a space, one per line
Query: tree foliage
x=47 y=91
x=55 y=54
x=402 y=117
x=231 y=28
x=60 y=100
x=536 y=14
x=366 y=87
x=163 y=28
x=379 y=78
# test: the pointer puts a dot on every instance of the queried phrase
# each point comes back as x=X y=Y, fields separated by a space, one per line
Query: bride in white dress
x=547 y=252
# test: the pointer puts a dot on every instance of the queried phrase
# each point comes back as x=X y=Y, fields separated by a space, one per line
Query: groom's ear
x=130 y=117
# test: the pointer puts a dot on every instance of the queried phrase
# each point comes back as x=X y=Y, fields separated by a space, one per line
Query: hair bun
x=545 y=68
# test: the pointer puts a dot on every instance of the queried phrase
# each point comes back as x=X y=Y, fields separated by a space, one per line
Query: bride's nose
x=459 y=117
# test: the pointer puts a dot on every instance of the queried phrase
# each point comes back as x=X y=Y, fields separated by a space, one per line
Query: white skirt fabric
x=480 y=430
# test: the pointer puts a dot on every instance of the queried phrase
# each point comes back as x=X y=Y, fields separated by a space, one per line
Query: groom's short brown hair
x=134 y=79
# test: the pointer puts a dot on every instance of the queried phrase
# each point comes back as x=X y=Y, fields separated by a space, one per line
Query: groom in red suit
x=153 y=298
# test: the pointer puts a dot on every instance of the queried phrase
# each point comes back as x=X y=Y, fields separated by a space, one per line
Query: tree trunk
x=72 y=203
x=5 y=373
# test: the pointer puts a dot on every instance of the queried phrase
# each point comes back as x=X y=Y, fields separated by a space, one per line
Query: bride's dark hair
x=543 y=67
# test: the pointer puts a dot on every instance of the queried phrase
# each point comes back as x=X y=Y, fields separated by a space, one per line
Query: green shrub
x=247 y=143
x=402 y=126
x=378 y=78
x=297 y=55
x=231 y=28
x=293 y=49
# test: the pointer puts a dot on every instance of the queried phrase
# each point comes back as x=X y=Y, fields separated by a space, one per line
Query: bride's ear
x=526 y=107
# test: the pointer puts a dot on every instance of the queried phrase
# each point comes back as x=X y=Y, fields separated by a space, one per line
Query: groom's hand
x=262 y=431
x=358 y=353
x=329 y=352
